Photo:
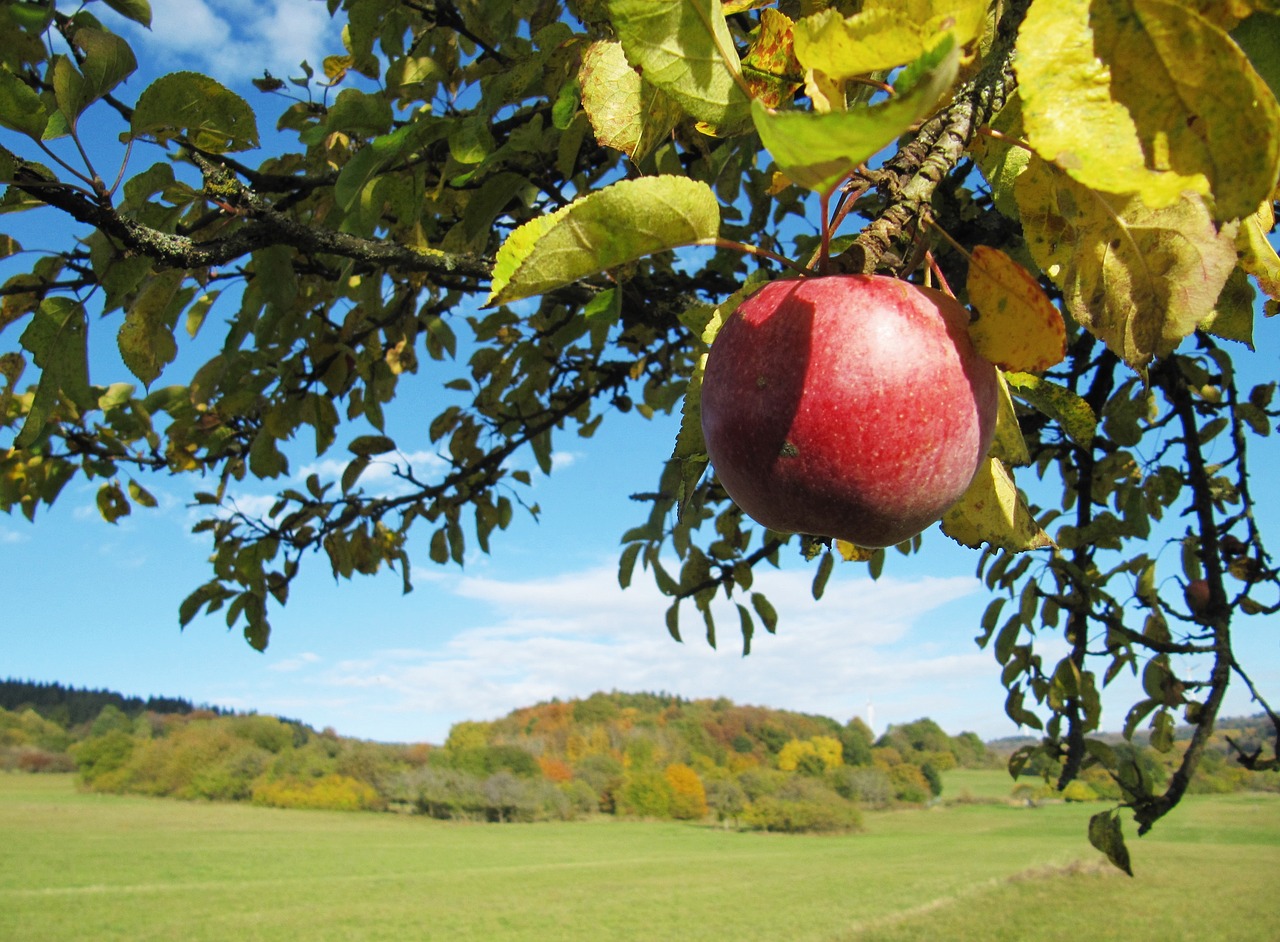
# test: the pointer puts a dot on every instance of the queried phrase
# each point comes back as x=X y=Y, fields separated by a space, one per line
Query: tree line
x=630 y=755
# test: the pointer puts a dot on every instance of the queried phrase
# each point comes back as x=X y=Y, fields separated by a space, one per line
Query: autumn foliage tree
x=499 y=195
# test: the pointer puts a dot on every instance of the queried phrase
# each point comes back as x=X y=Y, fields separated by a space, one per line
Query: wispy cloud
x=234 y=40
x=576 y=633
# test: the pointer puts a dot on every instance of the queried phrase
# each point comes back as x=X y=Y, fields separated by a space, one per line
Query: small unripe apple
x=1199 y=598
x=851 y=406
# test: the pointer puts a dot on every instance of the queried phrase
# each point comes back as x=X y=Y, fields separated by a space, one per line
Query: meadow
x=90 y=866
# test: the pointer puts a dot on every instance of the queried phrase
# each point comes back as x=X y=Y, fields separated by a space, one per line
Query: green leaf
x=57 y=341
x=106 y=61
x=1148 y=97
x=626 y=112
x=1106 y=836
x=21 y=109
x=112 y=503
x=1057 y=402
x=684 y=48
x=620 y=223
x=212 y=117
x=367 y=445
x=137 y=10
x=140 y=495
x=817 y=151
x=1139 y=279
x=145 y=338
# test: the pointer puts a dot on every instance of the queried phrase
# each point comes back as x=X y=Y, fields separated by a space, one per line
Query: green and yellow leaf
x=618 y=224
x=684 y=48
x=817 y=151
x=626 y=112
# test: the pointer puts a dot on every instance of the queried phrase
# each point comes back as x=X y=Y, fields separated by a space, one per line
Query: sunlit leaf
x=1139 y=279
x=145 y=338
x=1018 y=327
x=1008 y=444
x=1148 y=97
x=770 y=67
x=626 y=112
x=618 y=224
x=112 y=503
x=883 y=35
x=684 y=48
x=993 y=511
x=817 y=150
x=1257 y=254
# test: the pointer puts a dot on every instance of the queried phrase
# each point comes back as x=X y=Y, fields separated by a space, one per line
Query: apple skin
x=849 y=406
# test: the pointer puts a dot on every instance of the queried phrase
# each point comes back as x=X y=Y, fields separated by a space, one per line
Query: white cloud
x=297 y=663
x=234 y=40
x=576 y=633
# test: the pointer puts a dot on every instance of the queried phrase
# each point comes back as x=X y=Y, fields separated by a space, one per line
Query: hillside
x=636 y=754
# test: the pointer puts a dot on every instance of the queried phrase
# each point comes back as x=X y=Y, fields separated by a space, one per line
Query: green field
x=81 y=866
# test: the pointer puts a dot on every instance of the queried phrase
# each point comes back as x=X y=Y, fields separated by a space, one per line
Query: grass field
x=79 y=866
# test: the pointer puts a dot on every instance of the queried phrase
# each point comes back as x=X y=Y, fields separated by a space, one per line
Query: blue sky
x=92 y=604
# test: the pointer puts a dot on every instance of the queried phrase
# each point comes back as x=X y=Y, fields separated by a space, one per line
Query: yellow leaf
x=1008 y=444
x=852 y=553
x=1148 y=97
x=1018 y=328
x=1257 y=255
x=1137 y=278
x=993 y=511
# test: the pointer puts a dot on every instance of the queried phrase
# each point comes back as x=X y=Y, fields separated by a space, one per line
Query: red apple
x=850 y=406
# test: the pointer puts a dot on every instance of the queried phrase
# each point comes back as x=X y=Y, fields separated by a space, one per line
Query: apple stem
x=824 y=252
x=753 y=250
x=1006 y=138
x=937 y=271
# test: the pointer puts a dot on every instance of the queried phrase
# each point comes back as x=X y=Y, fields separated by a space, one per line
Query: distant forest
x=651 y=755
x=71 y=706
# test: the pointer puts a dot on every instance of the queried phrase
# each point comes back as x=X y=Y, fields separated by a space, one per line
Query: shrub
x=869 y=785
x=1079 y=791
x=333 y=793
x=688 y=796
x=646 y=793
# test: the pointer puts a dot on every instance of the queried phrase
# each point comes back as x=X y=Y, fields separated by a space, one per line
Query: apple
x=849 y=406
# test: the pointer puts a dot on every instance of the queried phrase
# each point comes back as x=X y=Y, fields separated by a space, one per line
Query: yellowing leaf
x=1257 y=255
x=1018 y=327
x=626 y=112
x=1232 y=317
x=618 y=224
x=993 y=511
x=882 y=35
x=1148 y=97
x=770 y=67
x=1073 y=414
x=818 y=150
x=1008 y=444
x=1139 y=279
x=684 y=47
